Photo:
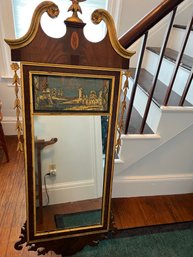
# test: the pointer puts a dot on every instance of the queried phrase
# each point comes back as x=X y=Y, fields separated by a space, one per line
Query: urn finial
x=75 y=8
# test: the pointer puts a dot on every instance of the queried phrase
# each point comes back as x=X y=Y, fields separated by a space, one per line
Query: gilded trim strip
x=127 y=75
x=68 y=66
x=17 y=106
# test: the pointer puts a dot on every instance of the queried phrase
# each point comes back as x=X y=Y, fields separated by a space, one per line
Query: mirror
x=69 y=160
x=70 y=123
x=70 y=130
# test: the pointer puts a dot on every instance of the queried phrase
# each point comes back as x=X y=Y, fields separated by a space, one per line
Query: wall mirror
x=71 y=131
x=70 y=94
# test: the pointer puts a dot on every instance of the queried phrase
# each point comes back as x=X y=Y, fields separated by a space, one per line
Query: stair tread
x=170 y=54
x=178 y=26
x=135 y=123
x=145 y=82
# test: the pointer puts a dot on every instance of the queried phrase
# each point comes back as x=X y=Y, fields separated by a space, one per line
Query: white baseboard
x=70 y=192
x=134 y=186
x=9 y=126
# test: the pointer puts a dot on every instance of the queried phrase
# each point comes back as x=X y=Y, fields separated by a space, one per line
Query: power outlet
x=52 y=169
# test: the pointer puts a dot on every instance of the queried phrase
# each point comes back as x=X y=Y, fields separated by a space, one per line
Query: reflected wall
x=78 y=159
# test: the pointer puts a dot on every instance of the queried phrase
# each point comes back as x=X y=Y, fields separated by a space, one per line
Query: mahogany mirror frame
x=28 y=68
x=75 y=54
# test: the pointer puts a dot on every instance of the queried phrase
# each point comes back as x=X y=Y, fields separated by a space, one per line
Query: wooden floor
x=12 y=202
x=155 y=210
x=128 y=213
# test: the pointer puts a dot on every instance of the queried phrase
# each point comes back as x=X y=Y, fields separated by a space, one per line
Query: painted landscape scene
x=68 y=93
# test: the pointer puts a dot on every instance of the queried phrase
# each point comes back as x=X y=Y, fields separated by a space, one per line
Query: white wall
x=132 y=11
x=184 y=16
x=6 y=89
x=6 y=31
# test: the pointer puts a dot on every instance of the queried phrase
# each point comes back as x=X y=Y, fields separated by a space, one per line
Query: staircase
x=156 y=150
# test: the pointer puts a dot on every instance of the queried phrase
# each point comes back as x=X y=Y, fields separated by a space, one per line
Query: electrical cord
x=48 y=198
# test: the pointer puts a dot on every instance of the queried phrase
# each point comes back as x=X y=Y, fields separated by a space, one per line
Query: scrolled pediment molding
x=102 y=15
x=47 y=6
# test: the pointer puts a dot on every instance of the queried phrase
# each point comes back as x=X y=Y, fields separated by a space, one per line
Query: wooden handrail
x=148 y=22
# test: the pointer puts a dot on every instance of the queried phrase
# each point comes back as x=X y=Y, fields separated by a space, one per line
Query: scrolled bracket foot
x=23 y=239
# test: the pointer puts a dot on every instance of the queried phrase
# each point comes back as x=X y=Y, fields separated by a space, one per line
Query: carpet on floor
x=177 y=242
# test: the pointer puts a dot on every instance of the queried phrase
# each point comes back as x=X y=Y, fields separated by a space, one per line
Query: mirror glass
x=69 y=170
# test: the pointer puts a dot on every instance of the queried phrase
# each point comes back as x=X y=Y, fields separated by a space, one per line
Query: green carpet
x=79 y=219
x=166 y=244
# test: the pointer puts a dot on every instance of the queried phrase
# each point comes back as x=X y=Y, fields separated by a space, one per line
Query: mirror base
x=23 y=238
x=65 y=247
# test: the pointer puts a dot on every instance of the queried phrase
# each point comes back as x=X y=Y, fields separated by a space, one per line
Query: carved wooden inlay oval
x=74 y=40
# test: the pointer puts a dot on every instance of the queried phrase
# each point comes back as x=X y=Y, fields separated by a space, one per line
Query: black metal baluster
x=186 y=89
x=137 y=73
x=157 y=72
x=178 y=61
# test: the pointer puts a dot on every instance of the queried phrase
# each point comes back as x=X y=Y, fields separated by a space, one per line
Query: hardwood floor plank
x=182 y=207
x=3 y=249
x=152 y=210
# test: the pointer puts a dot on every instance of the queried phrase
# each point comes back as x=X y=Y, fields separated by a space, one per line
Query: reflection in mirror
x=69 y=161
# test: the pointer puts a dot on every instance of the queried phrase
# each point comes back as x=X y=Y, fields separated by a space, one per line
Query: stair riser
x=134 y=148
x=150 y=64
x=176 y=39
